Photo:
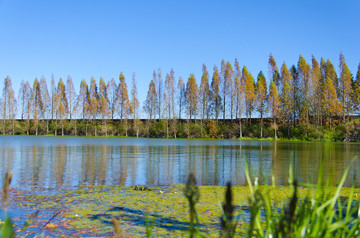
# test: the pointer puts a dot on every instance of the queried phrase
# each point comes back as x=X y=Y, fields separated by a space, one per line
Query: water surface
x=69 y=162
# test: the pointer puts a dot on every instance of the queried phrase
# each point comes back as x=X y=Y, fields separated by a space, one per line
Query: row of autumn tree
x=302 y=94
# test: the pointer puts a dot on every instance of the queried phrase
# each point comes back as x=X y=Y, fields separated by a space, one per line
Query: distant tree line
x=303 y=94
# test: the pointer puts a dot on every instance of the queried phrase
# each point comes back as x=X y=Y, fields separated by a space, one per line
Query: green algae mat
x=163 y=211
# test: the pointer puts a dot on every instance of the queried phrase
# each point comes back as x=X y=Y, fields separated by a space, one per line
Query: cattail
x=227 y=229
x=191 y=192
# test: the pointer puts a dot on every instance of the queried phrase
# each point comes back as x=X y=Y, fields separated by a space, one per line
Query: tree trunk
x=188 y=128
x=321 y=120
x=275 y=127
x=240 y=128
x=261 y=126
x=167 y=128
x=126 y=128
x=95 y=128
x=289 y=130
x=105 y=129
x=173 y=126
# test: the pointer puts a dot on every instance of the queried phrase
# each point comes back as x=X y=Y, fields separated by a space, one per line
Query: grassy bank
x=89 y=211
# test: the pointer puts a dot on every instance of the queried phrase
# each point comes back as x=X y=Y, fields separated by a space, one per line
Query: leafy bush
x=352 y=130
x=158 y=129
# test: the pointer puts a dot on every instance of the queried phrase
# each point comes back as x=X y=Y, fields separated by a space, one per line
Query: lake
x=70 y=162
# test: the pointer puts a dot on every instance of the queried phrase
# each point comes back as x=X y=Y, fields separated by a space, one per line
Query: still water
x=69 y=162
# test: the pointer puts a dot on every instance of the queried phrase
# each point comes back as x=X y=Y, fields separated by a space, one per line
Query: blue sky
x=104 y=38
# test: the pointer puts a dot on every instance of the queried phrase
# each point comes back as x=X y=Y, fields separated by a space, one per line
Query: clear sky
x=104 y=38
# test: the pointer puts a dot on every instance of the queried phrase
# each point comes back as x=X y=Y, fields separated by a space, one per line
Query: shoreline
x=183 y=129
x=210 y=139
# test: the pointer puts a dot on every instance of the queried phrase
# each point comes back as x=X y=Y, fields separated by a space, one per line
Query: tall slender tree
x=166 y=111
x=159 y=91
x=150 y=104
x=104 y=112
x=181 y=95
x=5 y=102
x=304 y=78
x=216 y=104
x=170 y=92
x=9 y=104
x=123 y=98
x=52 y=92
x=36 y=103
x=70 y=95
x=62 y=116
x=286 y=105
x=111 y=90
x=286 y=75
x=323 y=68
x=274 y=71
x=237 y=76
x=103 y=89
x=332 y=106
x=356 y=90
x=204 y=94
x=191 y=96
x=28 y=107
x=316 y=89
x=274 y=105
x=167 y=103
x=345 y=88
x=135 y=105
x=93 y=111
x=61 y=91
x=83 y=99
x=46 y=102
x=57 y=113
x=286 y=98
x=239 y=95
x=229 y=83
x=23 y=97
x=261 y=97
x=103 y=99
x=296 y=93
x=223 y=86
x=93 y=102
x=249 y=92
x=330 y=72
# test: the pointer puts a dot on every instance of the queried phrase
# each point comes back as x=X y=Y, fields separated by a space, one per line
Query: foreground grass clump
x=324 y=213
